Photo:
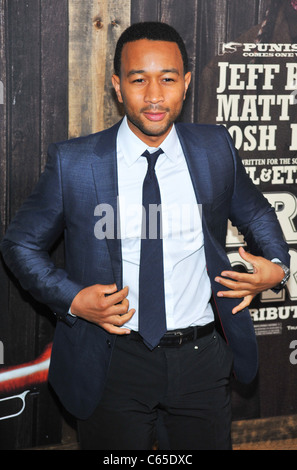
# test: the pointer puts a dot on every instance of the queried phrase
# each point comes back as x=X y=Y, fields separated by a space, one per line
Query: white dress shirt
x=187 y=285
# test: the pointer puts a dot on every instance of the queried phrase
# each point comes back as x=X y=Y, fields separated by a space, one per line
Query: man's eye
x=167 y=79
x=138 y=80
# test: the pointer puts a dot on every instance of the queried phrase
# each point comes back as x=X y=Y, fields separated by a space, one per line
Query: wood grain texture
x=93 y=32
x=275 y=429
x=34 y=50
x=54 y=74
x=3 y=120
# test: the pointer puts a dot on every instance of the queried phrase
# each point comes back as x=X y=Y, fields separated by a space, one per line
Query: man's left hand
x=266 y=275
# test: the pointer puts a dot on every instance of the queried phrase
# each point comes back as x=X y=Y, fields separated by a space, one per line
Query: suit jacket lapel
x=106 y=183
x=203 y=181
x=198 y=164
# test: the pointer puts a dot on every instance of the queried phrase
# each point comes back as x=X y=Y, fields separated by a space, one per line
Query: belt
x=175 y=338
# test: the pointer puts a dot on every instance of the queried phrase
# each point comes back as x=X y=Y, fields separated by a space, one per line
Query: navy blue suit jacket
x=82 y=173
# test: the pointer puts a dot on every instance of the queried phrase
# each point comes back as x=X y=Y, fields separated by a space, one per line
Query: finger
x=232 y=294
x=120 y=320
x=109 y=288
x=115 y=314
x=236 y=276
x=117 y=318
x=117 y=297
x=236 y=285
x=120 y=308
x=245 y=303
x=246 y=256
x=114 y=330
x=114 y=323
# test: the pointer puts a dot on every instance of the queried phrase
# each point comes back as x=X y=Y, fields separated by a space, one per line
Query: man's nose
x=154 y=93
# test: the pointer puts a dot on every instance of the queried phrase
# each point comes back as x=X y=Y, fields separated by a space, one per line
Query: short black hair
x=152 y=30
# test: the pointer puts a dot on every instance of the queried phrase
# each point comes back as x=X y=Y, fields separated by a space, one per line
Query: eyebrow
x=135 y=72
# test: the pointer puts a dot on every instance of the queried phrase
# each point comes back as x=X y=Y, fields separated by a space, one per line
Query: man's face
x=152 y=87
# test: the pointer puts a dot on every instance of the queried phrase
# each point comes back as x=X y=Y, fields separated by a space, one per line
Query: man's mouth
x=158 y=116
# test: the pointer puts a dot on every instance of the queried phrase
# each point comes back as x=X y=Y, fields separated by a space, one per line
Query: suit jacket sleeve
x=254 y=217
x=31 y=235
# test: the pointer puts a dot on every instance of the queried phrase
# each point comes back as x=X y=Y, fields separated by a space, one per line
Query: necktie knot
x=152 y=159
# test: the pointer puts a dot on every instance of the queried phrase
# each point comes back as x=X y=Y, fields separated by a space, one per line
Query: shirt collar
x=132 y=147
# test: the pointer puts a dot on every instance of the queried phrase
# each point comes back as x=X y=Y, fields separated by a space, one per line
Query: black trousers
x=169 y=398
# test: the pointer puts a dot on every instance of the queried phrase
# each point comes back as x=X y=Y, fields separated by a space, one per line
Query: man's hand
x=266 y=275
x=104 y=306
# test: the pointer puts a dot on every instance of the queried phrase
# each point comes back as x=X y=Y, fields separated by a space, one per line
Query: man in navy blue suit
x=149 y=328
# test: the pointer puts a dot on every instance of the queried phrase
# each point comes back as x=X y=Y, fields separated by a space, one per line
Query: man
x=127 y=389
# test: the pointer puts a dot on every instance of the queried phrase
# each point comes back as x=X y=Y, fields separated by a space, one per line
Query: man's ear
x=116 y=82
x=188 y=77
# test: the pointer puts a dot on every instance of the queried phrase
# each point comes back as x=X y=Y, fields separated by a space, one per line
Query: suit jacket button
x=108 y=343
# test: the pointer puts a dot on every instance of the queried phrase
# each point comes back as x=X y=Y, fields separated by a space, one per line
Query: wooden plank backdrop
x=56 y=62
x=94 y=30
x=34 y=71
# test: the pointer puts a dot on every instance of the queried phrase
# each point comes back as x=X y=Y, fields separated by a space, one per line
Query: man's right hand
x=104 y=306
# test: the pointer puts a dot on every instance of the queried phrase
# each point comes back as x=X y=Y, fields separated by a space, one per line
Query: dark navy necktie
x=152 y=320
